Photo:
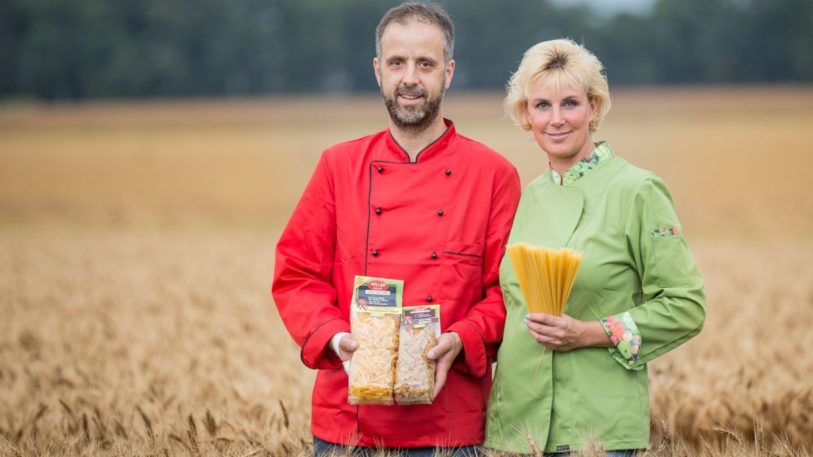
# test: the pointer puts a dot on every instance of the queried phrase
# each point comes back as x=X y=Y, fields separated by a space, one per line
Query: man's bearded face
x=413 y=116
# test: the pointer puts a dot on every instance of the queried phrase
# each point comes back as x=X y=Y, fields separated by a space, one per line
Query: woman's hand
x=565 y=333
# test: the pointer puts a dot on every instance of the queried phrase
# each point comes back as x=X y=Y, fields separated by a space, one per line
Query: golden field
x=137 y=246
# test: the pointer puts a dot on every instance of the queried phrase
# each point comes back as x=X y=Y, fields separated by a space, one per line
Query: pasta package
x=375 y=317
x=415 y=373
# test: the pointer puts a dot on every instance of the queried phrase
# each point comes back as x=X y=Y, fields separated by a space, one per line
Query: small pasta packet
x=375 y=316
x=415 y=373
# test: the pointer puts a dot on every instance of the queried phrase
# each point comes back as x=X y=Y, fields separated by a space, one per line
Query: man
x=416 y=202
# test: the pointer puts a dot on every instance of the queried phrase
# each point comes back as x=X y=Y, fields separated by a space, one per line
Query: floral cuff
x=625 y=336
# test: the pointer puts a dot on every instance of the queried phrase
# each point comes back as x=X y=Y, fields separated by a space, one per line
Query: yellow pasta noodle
x=372 y=368
x=545 y=275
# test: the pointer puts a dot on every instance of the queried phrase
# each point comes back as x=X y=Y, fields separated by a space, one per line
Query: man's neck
x=414 y=142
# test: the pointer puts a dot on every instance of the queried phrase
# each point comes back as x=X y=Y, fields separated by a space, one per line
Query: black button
x=380 y=169
x=448 y=171
x=429 y=298
x=378 y=210
x=440 y=212
x=375 y=252
x=434 y=255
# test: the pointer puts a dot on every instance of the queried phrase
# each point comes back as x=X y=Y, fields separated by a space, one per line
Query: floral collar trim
x=600 y=154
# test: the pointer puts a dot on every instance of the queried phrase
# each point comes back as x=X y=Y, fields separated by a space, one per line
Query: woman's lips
x=558 y=135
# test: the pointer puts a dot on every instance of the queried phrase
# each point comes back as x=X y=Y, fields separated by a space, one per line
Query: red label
x=377 y=285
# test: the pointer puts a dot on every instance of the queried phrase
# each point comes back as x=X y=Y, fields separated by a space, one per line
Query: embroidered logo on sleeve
x=663 y=232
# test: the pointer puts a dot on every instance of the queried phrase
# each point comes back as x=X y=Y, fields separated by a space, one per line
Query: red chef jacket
x=440 y=224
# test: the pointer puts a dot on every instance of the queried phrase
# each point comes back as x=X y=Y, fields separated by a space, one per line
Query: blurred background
x=152 y=151
x=61 y=49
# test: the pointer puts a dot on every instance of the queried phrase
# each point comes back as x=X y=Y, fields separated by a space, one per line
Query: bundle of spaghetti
x=545 y=276
x=372 y=368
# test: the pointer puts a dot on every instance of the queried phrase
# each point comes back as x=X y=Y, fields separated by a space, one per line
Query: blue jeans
x=322 y=448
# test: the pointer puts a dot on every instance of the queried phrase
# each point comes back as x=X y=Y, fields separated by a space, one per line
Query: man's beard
x=413 y=118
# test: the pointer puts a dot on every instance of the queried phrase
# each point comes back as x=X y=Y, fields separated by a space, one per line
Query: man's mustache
x=411 y=91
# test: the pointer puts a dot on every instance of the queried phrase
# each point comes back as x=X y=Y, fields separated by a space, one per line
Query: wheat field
x=137 y=246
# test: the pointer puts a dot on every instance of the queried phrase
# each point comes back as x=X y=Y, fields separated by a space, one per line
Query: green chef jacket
x=637 y=277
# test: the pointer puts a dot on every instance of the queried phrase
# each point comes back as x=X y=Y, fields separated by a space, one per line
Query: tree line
x=76 y=49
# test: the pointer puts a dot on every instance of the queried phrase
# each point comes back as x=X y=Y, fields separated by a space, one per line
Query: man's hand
x=444 y=353
x=347 y=346
x=344 y=348
x=565 y=333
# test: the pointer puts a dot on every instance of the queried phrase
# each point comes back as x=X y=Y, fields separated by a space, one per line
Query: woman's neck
x=561 y=165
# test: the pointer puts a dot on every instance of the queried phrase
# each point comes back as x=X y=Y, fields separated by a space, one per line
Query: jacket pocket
x=461 y=278
x=467 y=253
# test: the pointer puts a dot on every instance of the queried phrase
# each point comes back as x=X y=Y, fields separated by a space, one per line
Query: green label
x=378 y=295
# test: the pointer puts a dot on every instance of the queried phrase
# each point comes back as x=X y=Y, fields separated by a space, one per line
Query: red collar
x=433 y=149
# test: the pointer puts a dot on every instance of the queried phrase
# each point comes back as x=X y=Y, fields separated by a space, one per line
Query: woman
x=565 y=383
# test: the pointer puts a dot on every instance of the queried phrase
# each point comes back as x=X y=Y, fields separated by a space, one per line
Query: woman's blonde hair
x=557 y=64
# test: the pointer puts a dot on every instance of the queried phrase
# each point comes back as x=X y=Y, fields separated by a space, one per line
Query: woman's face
x=560 y=122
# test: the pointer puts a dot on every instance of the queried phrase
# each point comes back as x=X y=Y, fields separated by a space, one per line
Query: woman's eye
x=542 y=105
x=570 y=103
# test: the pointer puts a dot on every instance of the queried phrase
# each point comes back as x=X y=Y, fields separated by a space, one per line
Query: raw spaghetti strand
x=545 y=276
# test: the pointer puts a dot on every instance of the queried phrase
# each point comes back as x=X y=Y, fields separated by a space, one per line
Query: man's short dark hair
x=431 y=13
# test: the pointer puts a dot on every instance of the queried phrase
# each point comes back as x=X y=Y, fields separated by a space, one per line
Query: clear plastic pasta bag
x=374 y=322
x=415 y=373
